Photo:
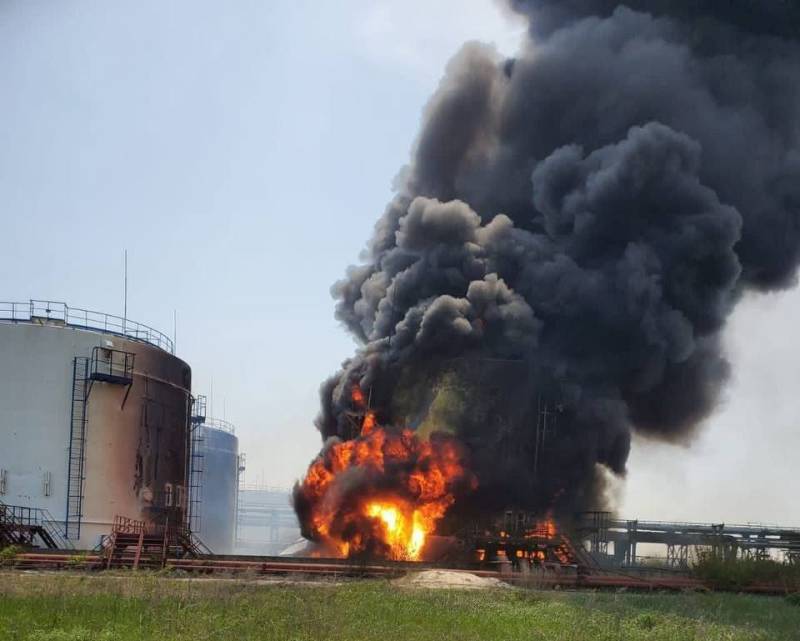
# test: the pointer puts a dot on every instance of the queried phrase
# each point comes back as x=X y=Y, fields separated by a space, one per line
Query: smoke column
x=573 y=228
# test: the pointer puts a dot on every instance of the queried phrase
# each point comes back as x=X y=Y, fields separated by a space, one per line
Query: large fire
x=383 y=492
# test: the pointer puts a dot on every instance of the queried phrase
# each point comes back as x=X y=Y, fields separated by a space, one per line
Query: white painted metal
x=220 y=479
x=135 y=446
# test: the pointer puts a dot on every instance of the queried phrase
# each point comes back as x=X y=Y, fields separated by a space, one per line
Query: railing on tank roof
x=263 y=487
x=218 y=424
x=34 y=310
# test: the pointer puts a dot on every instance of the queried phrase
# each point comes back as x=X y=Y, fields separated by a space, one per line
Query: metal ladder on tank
x=77 y=447
x=196 y=462
x=196 y=480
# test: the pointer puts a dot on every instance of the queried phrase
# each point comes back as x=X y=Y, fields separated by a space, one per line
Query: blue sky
x=241 y=152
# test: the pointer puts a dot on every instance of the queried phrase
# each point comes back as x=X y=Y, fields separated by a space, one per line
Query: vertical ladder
x=77 y=447
x=197 y=419
x=241 y=466
x=196 y=477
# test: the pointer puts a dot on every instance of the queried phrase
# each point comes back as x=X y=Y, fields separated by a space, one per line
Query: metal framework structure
x=219 y=424
x=133 y=543
x=614 y=541
x=30 y=527
x=45 y=311
x=523 y=540
x=266 y=522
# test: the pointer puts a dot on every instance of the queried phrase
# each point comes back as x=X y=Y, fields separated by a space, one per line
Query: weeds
x=78 y=560
x=735 y=574
x=149 y=606
x=8 y=555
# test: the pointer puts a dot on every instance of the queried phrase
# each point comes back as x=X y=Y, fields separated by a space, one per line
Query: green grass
x=74 y=607
x=8 y=554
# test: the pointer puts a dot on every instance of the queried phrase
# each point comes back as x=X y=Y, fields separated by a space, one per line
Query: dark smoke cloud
x=780 y=18
x=576 y=225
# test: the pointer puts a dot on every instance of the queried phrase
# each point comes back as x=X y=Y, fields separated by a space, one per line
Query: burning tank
x=385 y=488
x=600 y=248
x=381 y=492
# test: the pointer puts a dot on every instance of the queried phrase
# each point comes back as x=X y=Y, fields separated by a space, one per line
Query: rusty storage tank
x=94 y=419
x=215 y=494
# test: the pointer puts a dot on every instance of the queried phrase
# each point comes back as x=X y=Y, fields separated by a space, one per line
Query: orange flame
x=383 y=492
x=545 y=529
x=357 y=396
x=368 y=424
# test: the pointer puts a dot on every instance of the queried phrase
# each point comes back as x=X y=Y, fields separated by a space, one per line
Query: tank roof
x=218 y=424
x=56 y=312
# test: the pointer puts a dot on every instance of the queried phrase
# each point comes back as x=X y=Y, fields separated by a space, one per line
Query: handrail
x=219 y=424
x=54 y=529
x=724 y=528
x=123 y=524
x=261 y=487
x=611 y=523
x=35 y=310
x=112 y=363
x=23 y=515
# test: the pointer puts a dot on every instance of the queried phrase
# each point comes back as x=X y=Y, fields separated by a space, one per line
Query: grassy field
x=74 y=607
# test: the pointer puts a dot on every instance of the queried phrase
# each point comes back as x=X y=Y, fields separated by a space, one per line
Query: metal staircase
x=30 y=527
x=136 y=544
x=190 y=544
x=81 y=386
x=9 y=527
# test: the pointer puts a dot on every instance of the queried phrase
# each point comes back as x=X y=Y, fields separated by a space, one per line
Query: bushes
x=734 y=574
x=8 y=555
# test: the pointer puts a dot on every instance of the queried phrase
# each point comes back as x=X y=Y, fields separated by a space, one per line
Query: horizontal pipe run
x=312 y=567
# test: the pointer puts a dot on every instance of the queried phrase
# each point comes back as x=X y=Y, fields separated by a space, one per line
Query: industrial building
x=215 y=470
x=266 y=522
x=94 y=422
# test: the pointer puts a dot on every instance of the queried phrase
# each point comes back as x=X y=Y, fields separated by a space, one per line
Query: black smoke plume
x=571 y=233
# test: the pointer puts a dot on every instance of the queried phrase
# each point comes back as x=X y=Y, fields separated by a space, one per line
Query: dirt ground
x=448 y=579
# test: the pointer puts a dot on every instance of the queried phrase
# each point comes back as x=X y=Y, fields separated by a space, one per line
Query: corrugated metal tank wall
x=220 y=479
x=136 y=447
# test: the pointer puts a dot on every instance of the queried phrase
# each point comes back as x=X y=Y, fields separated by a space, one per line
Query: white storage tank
x=217 y=458
x=94 y=419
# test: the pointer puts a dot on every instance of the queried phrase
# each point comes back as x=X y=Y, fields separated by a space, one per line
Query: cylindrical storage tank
x=219 y=460
x=94 y=418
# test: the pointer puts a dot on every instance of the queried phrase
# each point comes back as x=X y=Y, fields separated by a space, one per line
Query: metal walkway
x=750 y=540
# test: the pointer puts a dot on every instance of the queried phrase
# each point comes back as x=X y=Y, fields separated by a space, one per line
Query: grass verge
x=74 y=607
